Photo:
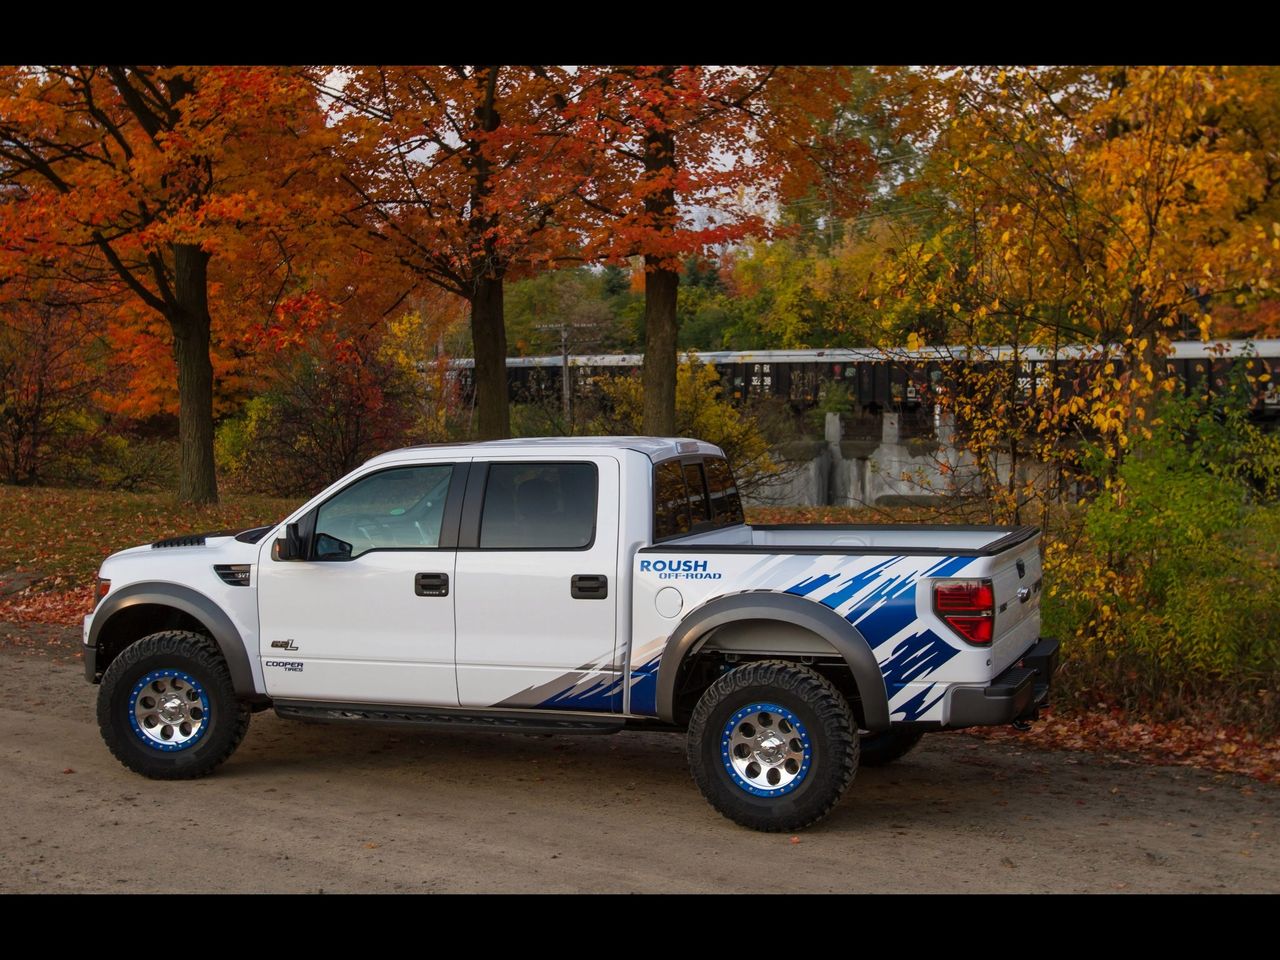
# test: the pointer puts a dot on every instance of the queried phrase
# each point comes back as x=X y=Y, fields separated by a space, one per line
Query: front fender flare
x=787 y=608
x=192 y=603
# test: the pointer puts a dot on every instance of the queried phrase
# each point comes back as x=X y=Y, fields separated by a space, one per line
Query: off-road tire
x=195 y=656
x=880 y=749
x=817 y=711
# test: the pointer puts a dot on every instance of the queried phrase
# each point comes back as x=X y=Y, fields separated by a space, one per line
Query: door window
x=397 y=509
x=539 y=506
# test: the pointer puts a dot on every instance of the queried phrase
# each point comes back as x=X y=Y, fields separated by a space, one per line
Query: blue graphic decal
x=855 y=583
x=947 y=567
x=601 y=695
x=644 y=688
x=886 y=610
x=916 y=656
x=810 y=584
x=915 y=707
x=889 y=607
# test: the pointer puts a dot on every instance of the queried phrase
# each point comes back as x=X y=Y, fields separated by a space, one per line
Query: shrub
x=701 y=412
x=1167 y=582
x=329 y=408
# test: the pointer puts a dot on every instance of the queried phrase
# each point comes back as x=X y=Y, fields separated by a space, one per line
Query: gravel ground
x=311 y=807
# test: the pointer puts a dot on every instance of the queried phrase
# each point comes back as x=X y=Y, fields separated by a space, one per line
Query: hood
x=177 y=557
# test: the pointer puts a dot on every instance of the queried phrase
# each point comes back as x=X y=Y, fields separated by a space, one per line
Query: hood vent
x=190 y=540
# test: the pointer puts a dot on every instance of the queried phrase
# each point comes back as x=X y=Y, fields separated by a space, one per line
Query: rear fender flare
x=843 y=636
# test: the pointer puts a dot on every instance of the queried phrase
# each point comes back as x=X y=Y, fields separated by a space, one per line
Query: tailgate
x=1017 y=584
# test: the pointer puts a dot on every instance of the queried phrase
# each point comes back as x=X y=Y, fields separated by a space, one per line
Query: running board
x=500 y=721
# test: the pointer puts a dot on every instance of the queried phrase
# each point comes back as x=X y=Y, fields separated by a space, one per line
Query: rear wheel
x=879 y=749
x=167 y=708
x=773 y=745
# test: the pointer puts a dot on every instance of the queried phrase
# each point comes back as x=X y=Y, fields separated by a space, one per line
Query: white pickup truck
x=574 y=585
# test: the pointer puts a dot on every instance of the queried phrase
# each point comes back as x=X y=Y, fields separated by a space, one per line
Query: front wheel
x=167 y=708
x=773 y=745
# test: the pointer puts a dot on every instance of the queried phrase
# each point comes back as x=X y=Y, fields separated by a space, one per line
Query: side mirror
x=289 y=547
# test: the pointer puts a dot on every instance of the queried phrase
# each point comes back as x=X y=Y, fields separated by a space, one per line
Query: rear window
x=692 y=495
x=726 y=505
x=670 y=501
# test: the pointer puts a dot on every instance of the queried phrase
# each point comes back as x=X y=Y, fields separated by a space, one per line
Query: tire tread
x=196 y=649
x=834 y=718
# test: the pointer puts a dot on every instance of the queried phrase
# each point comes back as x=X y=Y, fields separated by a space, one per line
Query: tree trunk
x=661 y=286
x=189 y=319
x=489 y=337
x=659 y=378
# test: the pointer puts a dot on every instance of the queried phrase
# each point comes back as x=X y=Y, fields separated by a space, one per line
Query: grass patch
x=61 y=535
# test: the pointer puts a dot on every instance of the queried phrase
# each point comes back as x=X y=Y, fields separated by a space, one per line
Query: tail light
x=967 y=606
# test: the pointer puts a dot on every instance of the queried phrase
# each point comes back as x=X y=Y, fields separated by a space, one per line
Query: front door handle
x=431 y=584
x=589 y=586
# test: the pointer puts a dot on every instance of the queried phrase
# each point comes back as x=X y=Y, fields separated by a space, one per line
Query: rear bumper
x=1017 y=694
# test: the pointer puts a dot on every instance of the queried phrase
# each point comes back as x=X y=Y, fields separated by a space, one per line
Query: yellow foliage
x=701 y=412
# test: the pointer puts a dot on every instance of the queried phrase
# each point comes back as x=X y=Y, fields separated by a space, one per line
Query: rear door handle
x=431 y=584
x=589 y=586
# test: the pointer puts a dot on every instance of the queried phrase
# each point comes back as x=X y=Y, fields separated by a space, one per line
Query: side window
x=699 y=508
x=726 y=505
x=402 y=508
x=670 y=501
x=539 y=506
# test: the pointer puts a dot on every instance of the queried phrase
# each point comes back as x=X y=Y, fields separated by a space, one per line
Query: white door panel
x=354 y=624
x=523 y=640
x=360 y=631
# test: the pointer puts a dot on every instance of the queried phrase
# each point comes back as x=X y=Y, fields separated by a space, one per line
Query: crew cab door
x=367 y=616
x=537 y=588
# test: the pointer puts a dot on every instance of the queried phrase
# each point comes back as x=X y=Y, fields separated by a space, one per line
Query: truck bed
x=949 y=539
x=877 y=577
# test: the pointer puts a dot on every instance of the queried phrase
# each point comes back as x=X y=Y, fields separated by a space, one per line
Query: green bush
x=1168 y=581
x=91 y=453
x=328 y=409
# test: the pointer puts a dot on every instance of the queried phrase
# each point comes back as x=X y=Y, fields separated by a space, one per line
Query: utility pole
x=566 y=394
x=578 y=330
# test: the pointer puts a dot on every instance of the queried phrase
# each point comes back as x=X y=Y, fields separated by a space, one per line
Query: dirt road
x=314 y=807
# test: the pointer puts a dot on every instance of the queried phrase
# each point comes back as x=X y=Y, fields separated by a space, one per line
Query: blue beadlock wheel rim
x=169 y=710
x=766 y=750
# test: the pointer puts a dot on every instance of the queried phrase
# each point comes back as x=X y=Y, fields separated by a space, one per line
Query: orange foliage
x=694 y=157
x=153 y=181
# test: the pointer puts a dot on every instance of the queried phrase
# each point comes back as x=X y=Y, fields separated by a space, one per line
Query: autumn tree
x=53 y=357
x=697 y=157
x=145 y=174
x=1101 y=211
x=1090 y=205
x=465 y=175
